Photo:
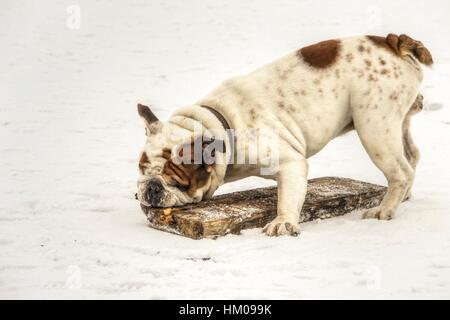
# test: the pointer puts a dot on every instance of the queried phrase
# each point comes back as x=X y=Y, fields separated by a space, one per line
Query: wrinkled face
x=169 y=176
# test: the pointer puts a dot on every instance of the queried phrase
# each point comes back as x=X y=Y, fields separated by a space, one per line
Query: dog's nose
x=155 y=192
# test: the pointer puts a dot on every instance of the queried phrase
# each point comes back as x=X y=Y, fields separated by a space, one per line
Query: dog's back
x=313 y=94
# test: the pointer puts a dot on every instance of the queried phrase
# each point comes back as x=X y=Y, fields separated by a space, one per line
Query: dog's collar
x=226 y=126
x=219 y=116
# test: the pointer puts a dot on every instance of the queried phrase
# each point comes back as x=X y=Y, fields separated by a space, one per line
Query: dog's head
x=176 y=167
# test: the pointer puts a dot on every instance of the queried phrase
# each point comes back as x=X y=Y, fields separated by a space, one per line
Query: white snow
x=70 y=137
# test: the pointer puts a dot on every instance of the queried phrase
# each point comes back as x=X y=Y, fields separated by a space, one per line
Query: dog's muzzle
x=154 y=193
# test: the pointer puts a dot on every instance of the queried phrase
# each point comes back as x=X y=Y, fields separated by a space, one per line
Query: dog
x=369 y=84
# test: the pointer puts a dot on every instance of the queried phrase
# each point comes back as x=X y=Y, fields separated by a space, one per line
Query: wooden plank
x=230 y=213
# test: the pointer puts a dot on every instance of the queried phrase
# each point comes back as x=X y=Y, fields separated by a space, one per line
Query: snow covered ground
x=70 y=138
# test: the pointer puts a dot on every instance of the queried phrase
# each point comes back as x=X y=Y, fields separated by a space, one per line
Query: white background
x=70 y=138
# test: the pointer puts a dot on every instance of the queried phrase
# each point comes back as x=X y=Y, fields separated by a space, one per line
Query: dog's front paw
x=281 y=227
x=379 y=213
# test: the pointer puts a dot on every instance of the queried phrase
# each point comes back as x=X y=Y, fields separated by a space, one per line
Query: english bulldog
x=369 y=84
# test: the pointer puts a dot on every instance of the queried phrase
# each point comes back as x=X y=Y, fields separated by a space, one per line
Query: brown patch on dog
x=187 y=177
x=253 y=114
x=320 y=55
x=143 y=161
x=368 y=63
x=382 y=42
x=404 y=45
x=385 y=71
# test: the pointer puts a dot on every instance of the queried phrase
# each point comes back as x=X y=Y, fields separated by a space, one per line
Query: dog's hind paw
x=281 y=227
x=379 y=213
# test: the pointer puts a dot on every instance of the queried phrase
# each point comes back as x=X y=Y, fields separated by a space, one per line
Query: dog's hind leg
x=381 y=133
x=411 y=151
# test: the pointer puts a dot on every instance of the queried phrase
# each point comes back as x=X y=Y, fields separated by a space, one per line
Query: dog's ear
x=152 y=124
x=201 y=151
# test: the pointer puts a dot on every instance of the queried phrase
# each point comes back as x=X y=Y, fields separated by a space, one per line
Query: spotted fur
x=309 y=97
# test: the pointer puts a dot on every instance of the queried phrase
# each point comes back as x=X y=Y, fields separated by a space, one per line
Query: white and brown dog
x=369 y=83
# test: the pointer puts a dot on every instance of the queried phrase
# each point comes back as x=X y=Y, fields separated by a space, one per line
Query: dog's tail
x=404 y=45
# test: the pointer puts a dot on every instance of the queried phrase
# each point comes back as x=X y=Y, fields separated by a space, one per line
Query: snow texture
x=70 y=138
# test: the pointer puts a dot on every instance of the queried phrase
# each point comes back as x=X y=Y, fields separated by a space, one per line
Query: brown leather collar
x=219 y=116
x=227 y=128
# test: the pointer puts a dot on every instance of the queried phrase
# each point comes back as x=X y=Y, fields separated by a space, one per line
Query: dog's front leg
x=292 y=182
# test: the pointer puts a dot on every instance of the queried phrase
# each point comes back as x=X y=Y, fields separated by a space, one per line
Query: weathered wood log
x=230 y=213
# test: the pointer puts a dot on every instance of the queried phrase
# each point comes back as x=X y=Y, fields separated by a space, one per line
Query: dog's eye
x=181 y=187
